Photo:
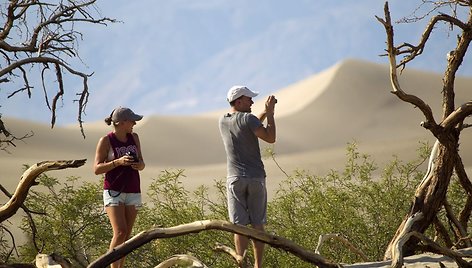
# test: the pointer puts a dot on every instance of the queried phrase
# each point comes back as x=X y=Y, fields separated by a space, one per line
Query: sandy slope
x=316 y=118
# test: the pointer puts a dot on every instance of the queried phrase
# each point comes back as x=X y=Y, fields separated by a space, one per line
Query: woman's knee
x=121 y=233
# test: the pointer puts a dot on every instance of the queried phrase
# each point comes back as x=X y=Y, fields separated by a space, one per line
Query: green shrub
x=170 y=204
x=71 y=221
x=362 y=203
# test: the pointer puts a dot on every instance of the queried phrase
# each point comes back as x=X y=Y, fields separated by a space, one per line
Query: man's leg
x=258 y=248
x=257 y=207
x=237 y=210
x=240 y=243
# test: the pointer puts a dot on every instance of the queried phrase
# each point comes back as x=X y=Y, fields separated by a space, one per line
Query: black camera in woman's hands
x=133 y=155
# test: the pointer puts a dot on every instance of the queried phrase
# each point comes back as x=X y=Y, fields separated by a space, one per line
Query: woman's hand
x=138 y=165
x=125 y=160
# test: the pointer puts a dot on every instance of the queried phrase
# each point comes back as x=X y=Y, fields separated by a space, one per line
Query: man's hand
x=270 y=104
x=268 y=133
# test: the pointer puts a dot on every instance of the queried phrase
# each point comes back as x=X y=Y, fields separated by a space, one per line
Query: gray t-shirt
x=242 y=145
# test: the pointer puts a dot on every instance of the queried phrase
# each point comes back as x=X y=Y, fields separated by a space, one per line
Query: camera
x=133 y=155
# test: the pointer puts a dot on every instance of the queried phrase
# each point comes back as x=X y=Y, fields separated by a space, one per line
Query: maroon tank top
x=123 y=179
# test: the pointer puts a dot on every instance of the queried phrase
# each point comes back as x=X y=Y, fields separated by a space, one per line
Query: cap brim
x=137 y=117
x=253 y=94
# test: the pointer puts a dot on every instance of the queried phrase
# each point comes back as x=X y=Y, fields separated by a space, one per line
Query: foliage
x=357 y=204
x=170 y=204
x=362 y=203
x=72 y=222
x=5 y=250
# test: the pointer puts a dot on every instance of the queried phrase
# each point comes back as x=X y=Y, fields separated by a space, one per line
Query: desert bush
x=362 y=203
x=170 y=204
x=5 y=241
x=69 y=220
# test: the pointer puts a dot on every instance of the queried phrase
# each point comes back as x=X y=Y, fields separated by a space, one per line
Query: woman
x=118 y=155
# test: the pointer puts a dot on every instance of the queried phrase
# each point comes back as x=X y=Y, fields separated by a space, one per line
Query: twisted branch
x=52 y=40
x=199 y=226
x=28 y=180
x=397 y=90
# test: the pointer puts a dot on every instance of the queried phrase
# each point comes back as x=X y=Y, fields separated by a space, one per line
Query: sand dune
x=316 y=118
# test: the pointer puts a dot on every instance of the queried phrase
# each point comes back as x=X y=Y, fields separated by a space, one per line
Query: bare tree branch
x=454 y=61
x=343 y=240
x=28 y=213
x=62 y=14
x=458 y=116
x=396 y=249
x=43 y=60
x=436 y=248
x=459 y=230
x=83 y=95
x=397 y=90
x=182 y=259
x=7 y=139
x=199 y=226
x=241 y=261
x=48 y=38
x=52 y=260
x=412 y=51
x=466 y=184
x=442 y=232
x=12 y=237
x=28 y=179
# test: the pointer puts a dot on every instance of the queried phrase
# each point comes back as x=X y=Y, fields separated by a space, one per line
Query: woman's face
x=127 y=125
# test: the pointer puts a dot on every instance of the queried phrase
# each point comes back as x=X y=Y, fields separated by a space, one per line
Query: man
x=246 y=177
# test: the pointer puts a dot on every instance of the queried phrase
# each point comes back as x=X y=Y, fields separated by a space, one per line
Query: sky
x=180 y=57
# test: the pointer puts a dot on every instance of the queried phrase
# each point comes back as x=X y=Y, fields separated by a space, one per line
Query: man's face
x=244 y=104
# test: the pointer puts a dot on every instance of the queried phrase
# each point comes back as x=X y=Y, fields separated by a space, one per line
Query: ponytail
x=108 y=120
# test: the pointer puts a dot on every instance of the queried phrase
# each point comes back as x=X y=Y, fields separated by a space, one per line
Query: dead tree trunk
x=430 y=195
x=428 y=199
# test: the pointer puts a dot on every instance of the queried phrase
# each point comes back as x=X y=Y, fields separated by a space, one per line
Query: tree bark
x=428 y=200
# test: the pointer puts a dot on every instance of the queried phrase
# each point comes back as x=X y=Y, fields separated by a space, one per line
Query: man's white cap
x=237 y=91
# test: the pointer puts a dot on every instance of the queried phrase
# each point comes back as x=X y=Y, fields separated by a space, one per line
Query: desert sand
x=316 y=118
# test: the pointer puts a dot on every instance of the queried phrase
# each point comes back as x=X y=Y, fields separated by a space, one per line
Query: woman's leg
x=117 y=217
x=130 y=213
x=130 y=216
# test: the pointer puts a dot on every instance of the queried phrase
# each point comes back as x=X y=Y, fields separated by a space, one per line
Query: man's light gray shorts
x=247 y=200
x=114 y=198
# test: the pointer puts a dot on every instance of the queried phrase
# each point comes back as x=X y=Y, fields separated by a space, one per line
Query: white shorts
x=115 y=198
